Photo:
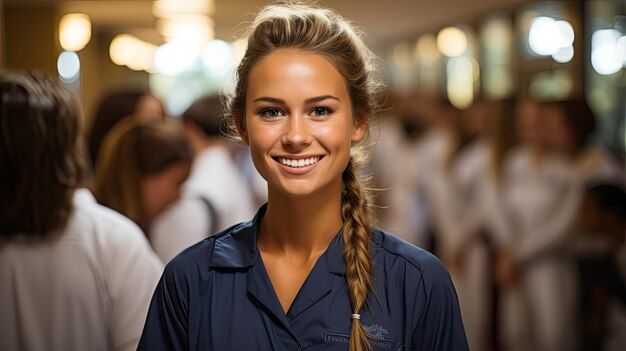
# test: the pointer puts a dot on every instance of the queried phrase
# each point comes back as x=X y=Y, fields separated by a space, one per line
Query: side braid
x=356 y=236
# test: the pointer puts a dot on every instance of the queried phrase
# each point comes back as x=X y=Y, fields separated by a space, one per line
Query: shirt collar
x=237 y=248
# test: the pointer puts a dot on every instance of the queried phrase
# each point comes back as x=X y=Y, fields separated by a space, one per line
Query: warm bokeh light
x=192 y=29
x=74 y=31
x=462 y=72
x=68 y=66
x=136 y=54
x=402 y=55
x=169 y=8
x=426 y=49
x=123 y=49
x=497 y=34
x=452 y=41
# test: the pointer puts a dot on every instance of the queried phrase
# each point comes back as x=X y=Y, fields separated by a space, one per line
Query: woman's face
x=159 y=190
x=299 y=122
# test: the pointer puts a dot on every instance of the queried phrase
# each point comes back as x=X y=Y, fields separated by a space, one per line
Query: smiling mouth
x=298 y=163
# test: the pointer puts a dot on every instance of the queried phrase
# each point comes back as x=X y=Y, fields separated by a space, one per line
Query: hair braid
x=356 y=236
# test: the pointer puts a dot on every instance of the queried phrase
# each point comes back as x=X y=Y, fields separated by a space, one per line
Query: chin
x=294 y=192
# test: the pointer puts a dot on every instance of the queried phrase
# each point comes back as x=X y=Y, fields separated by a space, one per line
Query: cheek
x=148 y=190
x=157 y=192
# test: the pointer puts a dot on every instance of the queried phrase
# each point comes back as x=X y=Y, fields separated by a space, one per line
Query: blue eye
x=321 y=111
x=270 y=112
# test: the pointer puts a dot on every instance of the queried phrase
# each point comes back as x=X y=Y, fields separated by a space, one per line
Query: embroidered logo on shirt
x=375 y=330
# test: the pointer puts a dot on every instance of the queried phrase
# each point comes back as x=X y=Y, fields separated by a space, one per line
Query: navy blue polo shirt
x=217 y=295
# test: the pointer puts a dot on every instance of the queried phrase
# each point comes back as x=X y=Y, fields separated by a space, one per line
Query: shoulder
x=401 y=257
x=103 y=221
x=119 y=242
x=224 y=249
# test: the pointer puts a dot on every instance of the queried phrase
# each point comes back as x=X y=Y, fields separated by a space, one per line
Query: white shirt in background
x=215 y=177
x=85 y=287
x=402 y=209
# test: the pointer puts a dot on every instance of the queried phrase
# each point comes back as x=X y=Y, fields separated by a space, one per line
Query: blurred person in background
x=214 y=197
x=602 y=216
x=400 y=207
x=491 y=151
x=114 y=107
x=474 y=187
x=570 y=126
x=539 y=203
x=439 y=121
x=74 y=275
x=255 y=182
x=141 y=167
x=455 y=212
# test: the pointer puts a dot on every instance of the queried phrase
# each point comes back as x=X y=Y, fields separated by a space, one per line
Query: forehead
x=292 y=74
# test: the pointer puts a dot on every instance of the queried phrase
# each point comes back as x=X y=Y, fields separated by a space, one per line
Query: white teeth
x=298 y=163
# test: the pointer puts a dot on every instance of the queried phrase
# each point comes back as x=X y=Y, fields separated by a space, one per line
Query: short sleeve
x=166 y=324
x=440 y=327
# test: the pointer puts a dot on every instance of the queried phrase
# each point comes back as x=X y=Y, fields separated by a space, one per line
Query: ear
x=241 y=129
x=360 y=127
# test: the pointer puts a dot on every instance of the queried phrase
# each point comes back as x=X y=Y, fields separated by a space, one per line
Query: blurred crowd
x=518 y=198
x=523 y=205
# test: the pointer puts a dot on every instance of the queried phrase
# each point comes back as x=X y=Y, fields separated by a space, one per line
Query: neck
x=198 y=141
x=302 y=226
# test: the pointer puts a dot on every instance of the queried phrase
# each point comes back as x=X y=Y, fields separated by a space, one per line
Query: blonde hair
x=324 y=32
x=131 y=150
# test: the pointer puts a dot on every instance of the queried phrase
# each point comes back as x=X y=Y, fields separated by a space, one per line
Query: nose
x=297 y=132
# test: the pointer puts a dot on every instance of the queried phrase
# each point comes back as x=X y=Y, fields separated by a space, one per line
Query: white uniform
x=85 y=287
x=395 y=166
x=215 y=177
x=457 y=212
x=541 y=203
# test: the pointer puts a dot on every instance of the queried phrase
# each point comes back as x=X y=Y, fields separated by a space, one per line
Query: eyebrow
x=307 y=101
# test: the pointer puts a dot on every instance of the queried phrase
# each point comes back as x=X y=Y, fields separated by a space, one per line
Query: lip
x=297 y=170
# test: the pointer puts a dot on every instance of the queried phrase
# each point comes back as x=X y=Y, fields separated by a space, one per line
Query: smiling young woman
x=309 y=271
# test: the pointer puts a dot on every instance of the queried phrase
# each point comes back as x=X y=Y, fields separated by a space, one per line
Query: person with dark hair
x=309 y=271
x=214 y=197
x=74 y=275
x=114 y=107
x=602 y=216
